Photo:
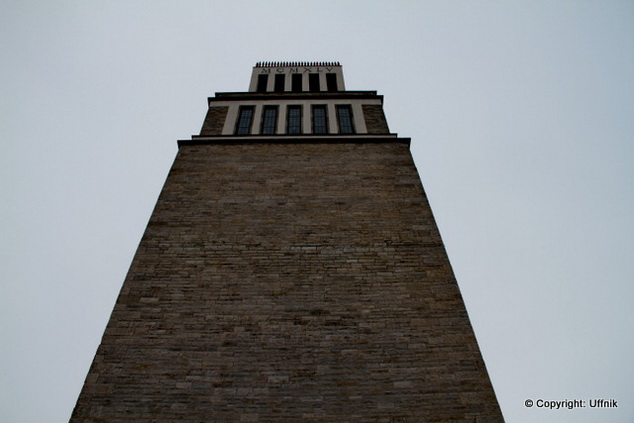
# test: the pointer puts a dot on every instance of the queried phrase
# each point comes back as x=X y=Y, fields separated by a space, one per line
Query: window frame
x=331 y=82
x=265 y=128
x=240 y=128
x=323 y=107
x=297 y=82
x=299 y=118
x=279 y=82
x=314 y=84
x=339 y=109
x=263 y=80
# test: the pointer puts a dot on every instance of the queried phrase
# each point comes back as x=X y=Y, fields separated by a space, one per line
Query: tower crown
x=297 y=77
x=296 y=99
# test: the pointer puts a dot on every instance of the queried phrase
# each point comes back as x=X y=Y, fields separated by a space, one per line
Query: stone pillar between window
x=307 y=116
x=281 y=119
x=257 y=119
x=331 y=117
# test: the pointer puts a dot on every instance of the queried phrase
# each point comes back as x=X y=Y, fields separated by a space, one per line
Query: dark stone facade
x=214 y=121
x=375 y=119
x=290 y=282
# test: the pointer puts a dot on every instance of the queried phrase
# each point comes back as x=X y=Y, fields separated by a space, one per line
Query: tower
x=291 y=271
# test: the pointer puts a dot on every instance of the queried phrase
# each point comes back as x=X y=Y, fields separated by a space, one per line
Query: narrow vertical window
x=245 y=115
x=344 y=117
x=296 y=82
x=263 y=78
x=313 y=82
x=294 y=120
x=269 y=120
x=320 y=120
x=331 y=82
x=279 y=83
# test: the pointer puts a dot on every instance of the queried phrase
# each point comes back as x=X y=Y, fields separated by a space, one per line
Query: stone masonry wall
x=214 y=121
x=301 y=282
x=375 y=119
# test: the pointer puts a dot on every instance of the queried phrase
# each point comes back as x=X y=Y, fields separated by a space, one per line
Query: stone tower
x=291 y=271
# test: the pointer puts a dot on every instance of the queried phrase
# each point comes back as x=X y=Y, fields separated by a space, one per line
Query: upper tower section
x=295 y=100
x=296 y=77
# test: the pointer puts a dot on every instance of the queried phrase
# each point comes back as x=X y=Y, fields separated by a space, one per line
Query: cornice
x=324 y=95
x=294 y=139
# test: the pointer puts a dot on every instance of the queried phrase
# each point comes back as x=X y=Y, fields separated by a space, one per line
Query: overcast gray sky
x=522 y=126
